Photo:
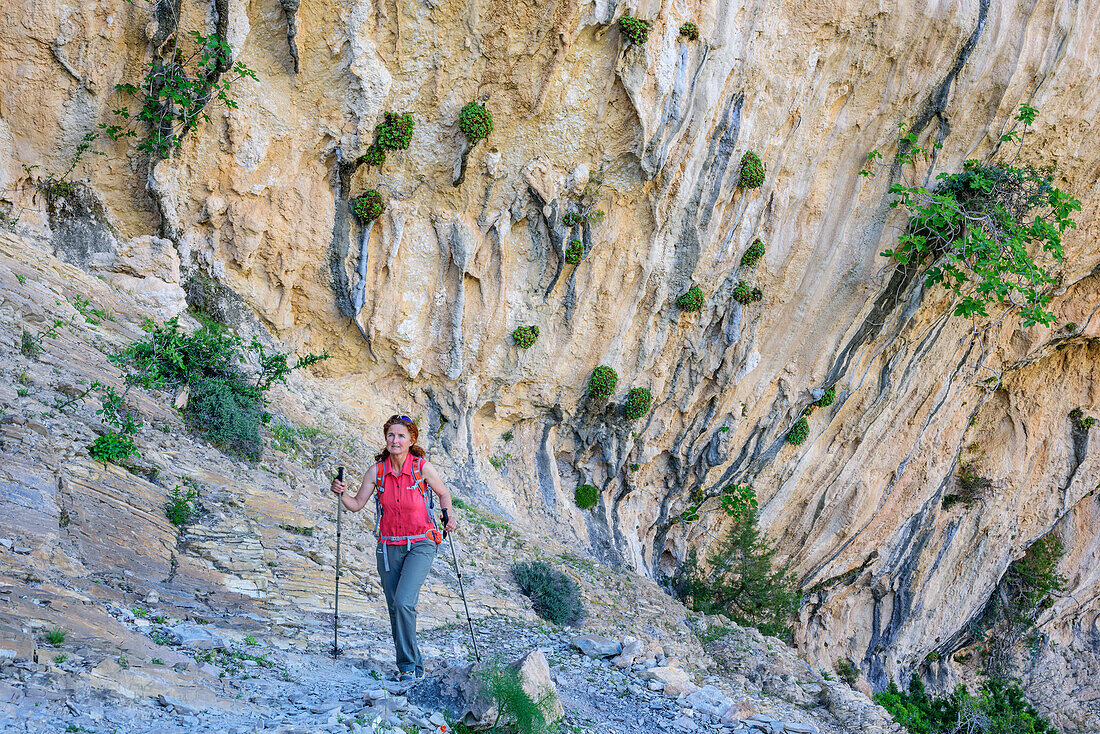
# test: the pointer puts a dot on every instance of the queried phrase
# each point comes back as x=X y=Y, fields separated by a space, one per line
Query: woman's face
x=398 y=439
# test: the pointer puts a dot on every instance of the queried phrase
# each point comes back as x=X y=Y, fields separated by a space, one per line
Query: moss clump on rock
x=692 y=300
x=753 y=254
x=690 y=31
x=638 y=401
x=602 y=382
x=369 y=206
x=744 y=293
x=525 y=336
x=752 y=171
x=586 y=496
x=395 y=131
x=635 y=31
x=799 y=432
x=575 y=252
x=475 y=122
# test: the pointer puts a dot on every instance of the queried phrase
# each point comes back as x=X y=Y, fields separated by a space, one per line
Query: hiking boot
x=406 y=676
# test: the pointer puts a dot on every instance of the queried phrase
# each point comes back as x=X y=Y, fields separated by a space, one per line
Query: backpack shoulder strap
x=379 y=474
x=425 y=491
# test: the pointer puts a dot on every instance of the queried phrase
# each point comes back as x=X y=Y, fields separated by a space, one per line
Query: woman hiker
x=406 y=533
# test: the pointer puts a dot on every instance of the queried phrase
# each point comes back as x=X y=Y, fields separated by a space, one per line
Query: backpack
x=425 y=493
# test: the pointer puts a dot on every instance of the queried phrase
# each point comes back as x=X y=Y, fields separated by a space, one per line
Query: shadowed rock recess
x=635 y=151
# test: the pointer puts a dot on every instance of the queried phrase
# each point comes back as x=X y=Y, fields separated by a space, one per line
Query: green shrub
x=971 y=487
x=752 y=171
x=225 y=404
x=525 y=336
x=998 y=708
x=745 y=294
x=635 y=31
x=740 y=581
x=181 y=507
x=375 y=155
x=586 y=496
x=395 y=131
x=638 y=401
x=1081 y=422
x=753 y=254
x=227 y=411
x=369 y=206
x=827 y=399
x=602 y=382
x=56 y=637
x=575 y=252
x=594 y=216
x=692 y=300
x=475 y=122
x=976 y=231
x=847 y=671
x=690 y=31
x=516 y=710
x=554 y=596
x=113 y=447
x=799 y=432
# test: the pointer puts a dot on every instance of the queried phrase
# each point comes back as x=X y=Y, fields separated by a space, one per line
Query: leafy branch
x=989 y=233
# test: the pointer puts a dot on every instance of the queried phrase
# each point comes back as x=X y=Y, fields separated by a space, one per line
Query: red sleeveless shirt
x=403 y=510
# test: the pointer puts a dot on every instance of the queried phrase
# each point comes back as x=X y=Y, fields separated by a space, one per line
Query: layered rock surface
x=257 y=199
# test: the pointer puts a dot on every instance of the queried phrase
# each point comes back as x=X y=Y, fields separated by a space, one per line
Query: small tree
x=740 y=581
x=983 y=232
x=752 y=171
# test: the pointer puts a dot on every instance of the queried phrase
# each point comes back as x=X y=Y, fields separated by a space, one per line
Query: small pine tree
x=741 y=582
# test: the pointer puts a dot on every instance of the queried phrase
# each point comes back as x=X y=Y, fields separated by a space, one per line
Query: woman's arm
x=431 y=476
x=359 y=500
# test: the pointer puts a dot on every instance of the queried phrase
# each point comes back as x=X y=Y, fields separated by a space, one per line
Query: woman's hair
x=414 y=433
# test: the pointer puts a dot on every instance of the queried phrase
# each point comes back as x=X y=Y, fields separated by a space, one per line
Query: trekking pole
x=462 y=591
x=336 y=604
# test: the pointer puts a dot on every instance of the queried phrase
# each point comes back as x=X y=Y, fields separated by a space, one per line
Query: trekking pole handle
x=339 y=473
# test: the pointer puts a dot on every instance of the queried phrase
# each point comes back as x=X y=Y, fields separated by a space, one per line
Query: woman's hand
x=338 y=487
x=450 y=525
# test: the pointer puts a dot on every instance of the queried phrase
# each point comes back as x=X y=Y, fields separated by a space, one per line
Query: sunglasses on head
x=399 y=417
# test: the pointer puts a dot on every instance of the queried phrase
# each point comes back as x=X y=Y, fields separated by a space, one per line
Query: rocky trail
x=113 y=619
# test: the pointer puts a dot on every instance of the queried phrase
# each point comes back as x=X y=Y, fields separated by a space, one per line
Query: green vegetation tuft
x=990 y=233
x=375 y=156
x=225 y=404
x=1081 y=422
x=525 y=336
x=635 y=31
x=744 y=294
x=112 y=447
x=554 y=596
x=997 y=708
x=690 y=31
x=638 y=402
x=517 y=711
x=753 y=254
x=181 y=508
x=972 y=486
x=827 y=399
x=799 y=432
x=602 y=382
x=739 y=580
x=692 y=300
x=752 y=171
x=369 y=206
x=395 y=131
x=575 y=252
x=847 y=671
x=56 y=637
x=586 y=496
x=475 y=122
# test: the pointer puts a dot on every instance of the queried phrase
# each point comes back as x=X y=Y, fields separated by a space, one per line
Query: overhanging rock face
x=419 y=312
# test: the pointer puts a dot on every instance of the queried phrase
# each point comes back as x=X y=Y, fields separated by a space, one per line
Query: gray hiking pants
x=408 y=569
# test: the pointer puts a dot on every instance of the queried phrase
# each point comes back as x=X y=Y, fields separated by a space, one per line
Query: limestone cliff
x=419 y=306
